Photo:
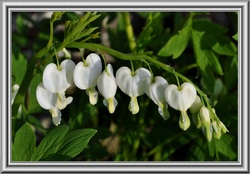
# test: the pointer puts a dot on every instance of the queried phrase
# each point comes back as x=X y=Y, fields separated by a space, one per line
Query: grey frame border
x=240 y=166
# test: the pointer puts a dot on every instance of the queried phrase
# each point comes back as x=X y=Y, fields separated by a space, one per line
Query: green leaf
x=73 y=143
x=222 y=146
x=203 y=63
x=176 y=44
x=33 y=105
x=24 y=144
x=19 y=65
x=235 y=37
x=36 y=123
x=213 y=61
x=214 y=37
x=76 y=29
x=50 y=144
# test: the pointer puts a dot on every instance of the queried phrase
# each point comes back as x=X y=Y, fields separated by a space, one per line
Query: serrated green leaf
x=50 y=144
x=75 y=29
x=24 y=144
x=176 y=44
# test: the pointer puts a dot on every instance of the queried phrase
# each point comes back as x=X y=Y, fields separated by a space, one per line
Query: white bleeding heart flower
x=155 y=91
x=58 y=79
x=132 y=84
x=48 y=100
x=181 y=99
x=107 y=86
x=86 y=74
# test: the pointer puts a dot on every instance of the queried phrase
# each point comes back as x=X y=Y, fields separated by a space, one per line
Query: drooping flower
x=48 y=100
x=181 y=99
x=132 y=84
x=155 y=91
x=107 y=86
x=58 y=79
x=86 y=74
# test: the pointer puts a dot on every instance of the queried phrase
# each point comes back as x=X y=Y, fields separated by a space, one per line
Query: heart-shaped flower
x=155 y=91
x=132 y=84
x=57 y=79
x=181 y=99
x=107 y=86
x=86 y=74
x=48 y=100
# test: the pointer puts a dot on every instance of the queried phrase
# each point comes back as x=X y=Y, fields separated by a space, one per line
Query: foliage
x=178 y=46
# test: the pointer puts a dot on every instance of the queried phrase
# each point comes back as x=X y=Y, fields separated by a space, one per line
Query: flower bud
x=204 y=116
x=217 y=130
x=196 y=106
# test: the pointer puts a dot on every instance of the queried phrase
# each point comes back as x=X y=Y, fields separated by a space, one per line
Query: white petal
x=46 y=99
x=95 y=62
x=82 y=76
x=184 y=121
x=93 y=96
x=111 y=104
x=56 y=116
x=106 y=83
x=139 y=81
x=85 y=76
x=155 y=90
x=133 y=105
x=68 y=67
x=180 y=99
x=163 y=110
x=132 y=85
x=54 y=80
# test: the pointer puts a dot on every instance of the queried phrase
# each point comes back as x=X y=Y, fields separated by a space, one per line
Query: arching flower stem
x=57 y=60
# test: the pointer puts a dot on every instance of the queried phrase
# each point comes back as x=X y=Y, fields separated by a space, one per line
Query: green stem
x=122 y=56
x=57 y=59
x=50 y=35
x=129 y=30
x=132 y=68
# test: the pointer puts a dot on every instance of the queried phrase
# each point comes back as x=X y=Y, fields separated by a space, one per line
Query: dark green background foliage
x=201 y=46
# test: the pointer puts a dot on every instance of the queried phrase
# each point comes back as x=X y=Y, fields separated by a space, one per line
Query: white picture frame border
x=240 y=166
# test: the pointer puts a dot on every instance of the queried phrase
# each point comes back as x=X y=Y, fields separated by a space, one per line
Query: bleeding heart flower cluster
x=88 y=74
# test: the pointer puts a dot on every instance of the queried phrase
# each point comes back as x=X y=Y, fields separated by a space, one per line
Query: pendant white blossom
x=181 y=99
x=132 y=84
x=86 y=74
x=48 y=100
x=107 y=86
x=57 y=79
x=155 y=91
